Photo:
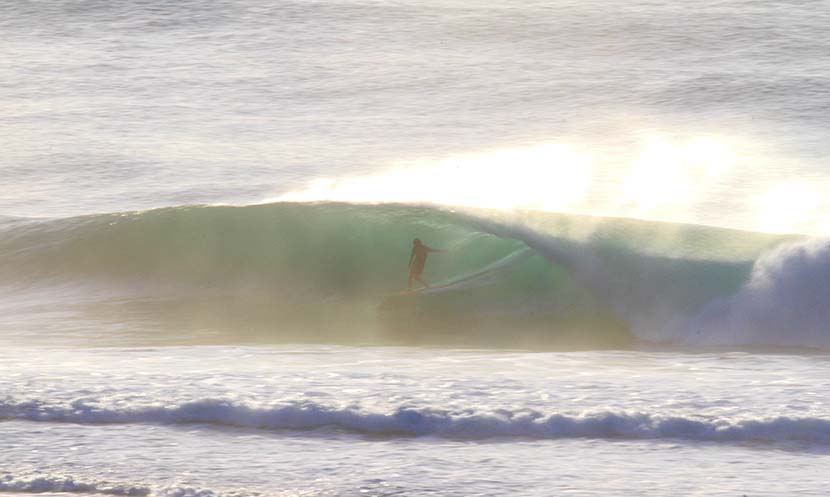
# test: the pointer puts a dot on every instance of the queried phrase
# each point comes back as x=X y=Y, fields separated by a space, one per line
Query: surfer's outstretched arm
x=430 y=249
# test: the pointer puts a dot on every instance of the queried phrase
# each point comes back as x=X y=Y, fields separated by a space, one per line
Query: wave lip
x=469 y=424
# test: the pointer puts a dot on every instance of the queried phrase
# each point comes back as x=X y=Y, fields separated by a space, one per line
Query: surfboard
x=402 y=293
x=417 y=291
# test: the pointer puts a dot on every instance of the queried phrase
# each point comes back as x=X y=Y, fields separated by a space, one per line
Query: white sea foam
x=468 y=424
x=785 y=302
x=40 y=483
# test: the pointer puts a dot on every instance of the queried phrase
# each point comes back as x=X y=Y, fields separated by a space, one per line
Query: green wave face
x=329 y=271
x=328 y=250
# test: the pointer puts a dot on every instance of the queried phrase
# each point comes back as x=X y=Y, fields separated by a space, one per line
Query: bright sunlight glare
x=792 y=207
x=551 y=177
x=673 y=180
x=669 y=177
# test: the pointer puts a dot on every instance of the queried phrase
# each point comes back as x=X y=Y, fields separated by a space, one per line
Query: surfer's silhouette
x=417 y=262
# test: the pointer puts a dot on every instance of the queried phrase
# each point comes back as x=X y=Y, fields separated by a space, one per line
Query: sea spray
x=785 y=302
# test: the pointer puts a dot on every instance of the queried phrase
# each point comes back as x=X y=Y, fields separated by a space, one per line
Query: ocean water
x=206 y=211
x=335 y=420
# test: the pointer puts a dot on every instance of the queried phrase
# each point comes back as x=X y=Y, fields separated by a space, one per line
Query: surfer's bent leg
x=415 y=274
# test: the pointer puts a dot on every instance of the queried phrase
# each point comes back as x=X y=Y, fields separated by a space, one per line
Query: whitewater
x=207 y=209
x=301 y=420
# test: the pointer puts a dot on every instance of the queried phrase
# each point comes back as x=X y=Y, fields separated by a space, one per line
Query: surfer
x=417 y=261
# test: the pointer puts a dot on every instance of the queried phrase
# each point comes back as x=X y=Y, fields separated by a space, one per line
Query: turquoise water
x=206 y=210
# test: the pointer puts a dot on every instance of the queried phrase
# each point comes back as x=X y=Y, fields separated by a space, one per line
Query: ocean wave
x=418 y=422
x=336 y=268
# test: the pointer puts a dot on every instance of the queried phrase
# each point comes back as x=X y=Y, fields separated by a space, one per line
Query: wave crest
x=468 y=424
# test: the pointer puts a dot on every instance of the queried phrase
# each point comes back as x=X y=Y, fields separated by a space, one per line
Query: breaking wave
x=331 y=268
x=468 y=424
